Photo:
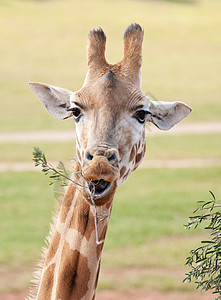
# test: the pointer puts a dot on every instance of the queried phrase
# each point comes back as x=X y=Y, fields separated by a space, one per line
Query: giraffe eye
x=140 y=116
x=76 y=113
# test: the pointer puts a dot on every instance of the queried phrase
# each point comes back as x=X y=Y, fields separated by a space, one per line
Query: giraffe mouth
x=99 y=188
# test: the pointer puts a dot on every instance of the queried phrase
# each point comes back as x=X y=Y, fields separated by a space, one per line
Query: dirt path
x=12 y=279
x=132 y=295
x=69 y=135
x=146 y=164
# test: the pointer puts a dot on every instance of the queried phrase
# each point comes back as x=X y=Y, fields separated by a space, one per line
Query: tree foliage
x=205 y=260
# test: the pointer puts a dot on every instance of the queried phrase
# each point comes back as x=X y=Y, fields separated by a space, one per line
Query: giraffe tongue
x=98 y=187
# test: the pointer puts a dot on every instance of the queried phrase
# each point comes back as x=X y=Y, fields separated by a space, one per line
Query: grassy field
x=45 y=41
x=146 y=228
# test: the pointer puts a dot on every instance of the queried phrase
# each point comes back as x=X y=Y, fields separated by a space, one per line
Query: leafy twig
x=40 y=160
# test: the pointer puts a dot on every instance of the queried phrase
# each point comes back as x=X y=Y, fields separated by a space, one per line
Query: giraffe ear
x=55 y=99
x=166 y=114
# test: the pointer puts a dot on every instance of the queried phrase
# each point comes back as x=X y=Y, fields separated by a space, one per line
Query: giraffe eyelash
x=141 y=115
x=76 y=113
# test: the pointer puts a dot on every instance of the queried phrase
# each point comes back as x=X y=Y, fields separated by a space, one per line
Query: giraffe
x=110 y=112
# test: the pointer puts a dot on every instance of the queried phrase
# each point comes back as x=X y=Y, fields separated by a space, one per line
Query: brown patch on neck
x=74 y=275
x=47 y=284
x=53 y=248
x=83 y=219
x=102 y=237
x=66 y=203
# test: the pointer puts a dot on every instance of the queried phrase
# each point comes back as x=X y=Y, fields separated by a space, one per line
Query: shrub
x=205 y=261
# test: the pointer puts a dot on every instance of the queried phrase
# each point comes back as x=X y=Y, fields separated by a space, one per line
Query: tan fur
x=77 y=268
x=95 y=53
x=128 y=68
x=53 y=248
x=122 y=171
x=132 y=154
x=101 y=237
x=100 y=168
x=84 y=222
x=47 y=283
x=74 y=275
x=67 y=201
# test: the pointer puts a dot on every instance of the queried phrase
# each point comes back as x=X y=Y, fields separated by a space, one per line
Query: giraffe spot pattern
x=66 y=203
x=83 y=222
x=122 y=171
x=53 y=248
x=102 y=237
x=127 y=174
x=47 y=283
x=138 y=157
x=132 y=154
x=74 y=275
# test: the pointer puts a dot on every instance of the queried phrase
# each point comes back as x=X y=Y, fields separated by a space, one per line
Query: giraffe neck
x=72 y=262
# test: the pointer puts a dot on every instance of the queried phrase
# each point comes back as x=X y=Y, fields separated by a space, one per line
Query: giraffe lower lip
x=99 y=187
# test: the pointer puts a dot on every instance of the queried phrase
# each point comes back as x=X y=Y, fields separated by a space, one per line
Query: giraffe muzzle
x=99 y=188
x=101 y=174
x=99 y=168
x=100 y=191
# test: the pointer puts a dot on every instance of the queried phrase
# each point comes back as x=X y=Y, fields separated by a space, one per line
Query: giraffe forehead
x=110 y=92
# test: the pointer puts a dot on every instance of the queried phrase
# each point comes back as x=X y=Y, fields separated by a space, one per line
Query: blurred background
x=146 y=245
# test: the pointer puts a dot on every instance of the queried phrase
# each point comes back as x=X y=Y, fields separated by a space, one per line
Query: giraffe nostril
x=112 y=157
x=89 y=156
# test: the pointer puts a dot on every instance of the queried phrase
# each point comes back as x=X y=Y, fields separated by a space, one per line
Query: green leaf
x=207 y=242
x=214 y=198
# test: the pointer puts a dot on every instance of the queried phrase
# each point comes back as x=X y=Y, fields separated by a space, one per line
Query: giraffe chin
x=102 y=191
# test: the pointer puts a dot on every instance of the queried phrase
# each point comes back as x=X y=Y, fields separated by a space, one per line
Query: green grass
x=158 y=147
x=146 y=230
x=184 y=146
x=154 y=203
x=25 y=214
x=150 y=205
x=12 y=152
x=46 y=40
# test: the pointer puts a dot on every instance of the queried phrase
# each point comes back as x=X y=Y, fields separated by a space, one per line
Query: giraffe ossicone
x=110 y=112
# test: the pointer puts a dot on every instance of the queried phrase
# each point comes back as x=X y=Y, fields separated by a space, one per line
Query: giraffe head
x=110 y=112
